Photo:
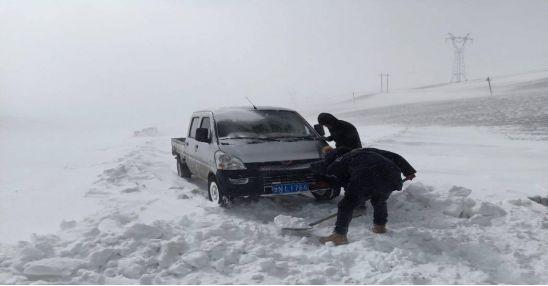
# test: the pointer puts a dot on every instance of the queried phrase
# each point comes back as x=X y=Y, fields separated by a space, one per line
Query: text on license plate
x=289 y=188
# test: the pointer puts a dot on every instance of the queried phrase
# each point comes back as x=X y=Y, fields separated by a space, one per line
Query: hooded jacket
x=343 y=133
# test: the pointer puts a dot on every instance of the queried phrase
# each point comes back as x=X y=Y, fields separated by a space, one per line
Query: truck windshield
x=261 y=124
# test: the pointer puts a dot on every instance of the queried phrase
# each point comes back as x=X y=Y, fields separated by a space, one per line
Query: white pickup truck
x=245 y=151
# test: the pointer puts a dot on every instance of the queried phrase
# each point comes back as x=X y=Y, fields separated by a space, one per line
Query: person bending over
x=366 y=174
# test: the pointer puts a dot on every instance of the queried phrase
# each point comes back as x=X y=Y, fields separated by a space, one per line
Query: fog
x=153 y=62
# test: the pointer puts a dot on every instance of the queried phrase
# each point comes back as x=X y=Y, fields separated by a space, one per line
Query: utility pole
x=459 y=72
x=382 y=75
x=489 y=81
x=353 y=98
x=387 y=75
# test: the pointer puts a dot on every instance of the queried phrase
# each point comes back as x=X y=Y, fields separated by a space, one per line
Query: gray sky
x=147 y=60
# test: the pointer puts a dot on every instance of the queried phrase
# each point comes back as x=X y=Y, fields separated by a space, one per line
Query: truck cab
x=243 y=152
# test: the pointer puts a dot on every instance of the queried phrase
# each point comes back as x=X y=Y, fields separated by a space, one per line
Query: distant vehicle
x=243 y=152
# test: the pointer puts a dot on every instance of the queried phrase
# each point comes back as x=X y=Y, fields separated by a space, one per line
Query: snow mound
x=57 y=266
x=288 y=221
x=146 y=132
x=540 y=200
x=455 y=203
x=131 y=174
x=143 y=231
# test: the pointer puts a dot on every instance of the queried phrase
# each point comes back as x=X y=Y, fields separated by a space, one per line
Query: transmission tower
x=459 y=71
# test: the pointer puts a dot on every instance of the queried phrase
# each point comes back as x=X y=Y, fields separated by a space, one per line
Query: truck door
x=191 y=147
x=204 y=153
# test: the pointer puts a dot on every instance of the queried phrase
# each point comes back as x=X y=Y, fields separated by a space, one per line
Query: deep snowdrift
x=158 y=228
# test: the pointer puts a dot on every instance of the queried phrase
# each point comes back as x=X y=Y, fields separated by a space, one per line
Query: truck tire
x=182 y=169
x=215 y=193
x=326 y=195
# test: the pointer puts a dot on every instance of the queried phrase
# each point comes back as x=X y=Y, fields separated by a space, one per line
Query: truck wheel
x=216 y=194
x=182 y=170
x=326 y=195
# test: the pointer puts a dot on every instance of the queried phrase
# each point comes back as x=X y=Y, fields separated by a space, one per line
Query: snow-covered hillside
x=124 y=216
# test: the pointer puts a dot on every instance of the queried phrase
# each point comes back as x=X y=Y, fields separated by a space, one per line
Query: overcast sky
x=146 y=60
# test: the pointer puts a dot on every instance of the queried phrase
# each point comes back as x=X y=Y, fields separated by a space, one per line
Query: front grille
x=266 y=165
x=293 y=177
x=280 y=172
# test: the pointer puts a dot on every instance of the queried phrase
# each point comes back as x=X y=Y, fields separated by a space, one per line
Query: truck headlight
x=227 y=162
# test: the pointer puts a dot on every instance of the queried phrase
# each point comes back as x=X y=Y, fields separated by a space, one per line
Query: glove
x=410 y=177
x=327 y=149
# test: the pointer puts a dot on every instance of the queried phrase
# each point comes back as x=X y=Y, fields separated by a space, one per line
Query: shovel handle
x=323 y=219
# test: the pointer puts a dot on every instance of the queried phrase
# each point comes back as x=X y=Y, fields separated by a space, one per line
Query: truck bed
x=177 y=146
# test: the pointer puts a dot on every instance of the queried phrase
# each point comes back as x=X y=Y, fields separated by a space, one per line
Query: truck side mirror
x=319 y=129
x=202 y=135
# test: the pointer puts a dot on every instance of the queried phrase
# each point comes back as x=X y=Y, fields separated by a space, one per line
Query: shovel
x=312 y=224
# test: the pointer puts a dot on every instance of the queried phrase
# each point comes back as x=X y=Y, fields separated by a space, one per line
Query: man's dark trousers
x=350 y=202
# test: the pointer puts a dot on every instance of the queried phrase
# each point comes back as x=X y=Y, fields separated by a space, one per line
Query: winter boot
x=337 y=239
x=379 y=228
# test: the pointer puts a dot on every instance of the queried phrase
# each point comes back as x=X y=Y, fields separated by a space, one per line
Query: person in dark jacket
x=343 y=133
x=366 y=174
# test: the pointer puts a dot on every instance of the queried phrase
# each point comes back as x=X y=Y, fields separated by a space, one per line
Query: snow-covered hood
x=274 y=151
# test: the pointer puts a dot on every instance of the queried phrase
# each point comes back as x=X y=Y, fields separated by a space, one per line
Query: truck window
x=193 y=127
x=205 y=124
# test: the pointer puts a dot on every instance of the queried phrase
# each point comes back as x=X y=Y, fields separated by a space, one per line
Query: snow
x=146 y=132
x=482 y=159
x=111 y=209
x=291 y=222
x=477 y=89
x=57 y=266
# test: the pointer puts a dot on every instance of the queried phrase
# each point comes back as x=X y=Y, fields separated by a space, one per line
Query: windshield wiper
x=297 y=137
x=250 y=138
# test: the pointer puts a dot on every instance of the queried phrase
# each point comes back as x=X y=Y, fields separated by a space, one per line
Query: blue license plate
x=289 y=188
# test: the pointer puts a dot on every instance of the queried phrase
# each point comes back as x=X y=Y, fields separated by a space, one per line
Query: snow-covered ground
x=112 y=209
